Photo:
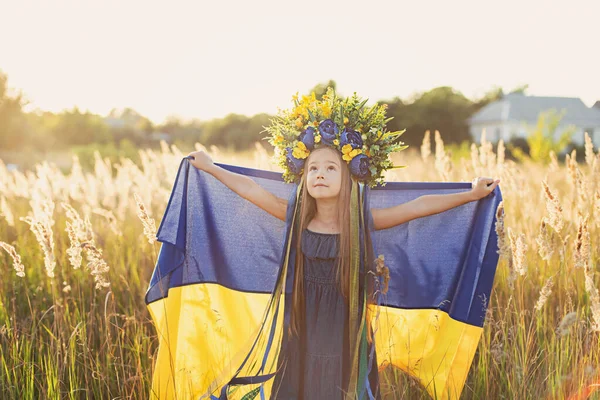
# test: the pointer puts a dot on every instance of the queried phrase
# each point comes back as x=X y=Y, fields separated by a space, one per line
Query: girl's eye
x=312 y=168
x=331 y=167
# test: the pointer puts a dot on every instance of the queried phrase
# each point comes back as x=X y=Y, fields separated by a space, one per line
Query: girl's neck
x=326 y=217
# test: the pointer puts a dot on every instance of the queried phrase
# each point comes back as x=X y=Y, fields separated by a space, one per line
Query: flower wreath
x=346 y=125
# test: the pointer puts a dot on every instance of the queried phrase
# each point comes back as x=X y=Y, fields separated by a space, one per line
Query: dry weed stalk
x=582 y=244
x=596 y=169
x=571 y=163
x=16 y=258
x=597 y=207
x=41 y=225
x=426 y=147
x=78 y=231
x=147 y=221
x=566 y=323
x=487 y=158
x=543 y=240
x=594 y=300
x=475 y=160
x=110 y=217
x=500 y=156
x=97 y=266
x=77 y=189
x=581 y=188
x=544 y=294
x=517 y=264
x=518 y=247
x=6 y=212
x=555 y=211
x=443 y=163
x=82 y=238
x=503 y=246
x=5 y=179
x=589 y=151
x=553 y=162
x=383 y=272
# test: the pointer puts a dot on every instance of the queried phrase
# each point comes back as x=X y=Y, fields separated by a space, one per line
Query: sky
x=206 y=59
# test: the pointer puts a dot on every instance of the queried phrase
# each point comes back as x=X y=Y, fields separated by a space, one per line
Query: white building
x=516 y=114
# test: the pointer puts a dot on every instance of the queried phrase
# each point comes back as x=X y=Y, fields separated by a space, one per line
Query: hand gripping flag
x=218 y=292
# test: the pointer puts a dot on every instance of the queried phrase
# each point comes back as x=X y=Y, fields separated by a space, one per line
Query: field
x=79 y=249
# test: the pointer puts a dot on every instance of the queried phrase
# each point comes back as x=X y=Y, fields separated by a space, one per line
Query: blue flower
x=294 y=164
x=308 y=137
x=359 y=166
x=329 y=131
x=352 y=138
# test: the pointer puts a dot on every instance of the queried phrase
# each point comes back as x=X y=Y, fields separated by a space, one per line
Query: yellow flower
x=345 y=120
x=278 y=139
x=326 y=110
x=299 y=122
x=300 y=151
x=317 y=138
x=315 y=123
x=295 y=97
x=308 y=99
x=336 y=142
x=349 y=153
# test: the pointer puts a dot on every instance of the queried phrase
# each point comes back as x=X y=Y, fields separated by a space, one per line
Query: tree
x=13 y=125
x=442 y=109
x=492 y=95
x=236 y=131
x=76 y=128
x=541 y=138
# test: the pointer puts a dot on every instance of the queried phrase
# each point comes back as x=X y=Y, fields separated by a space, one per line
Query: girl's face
x=323 y=173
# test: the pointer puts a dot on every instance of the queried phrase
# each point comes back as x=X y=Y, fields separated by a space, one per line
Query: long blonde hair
x=308 y=209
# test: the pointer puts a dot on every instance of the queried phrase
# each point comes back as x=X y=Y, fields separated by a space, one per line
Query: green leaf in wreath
x=252 y=394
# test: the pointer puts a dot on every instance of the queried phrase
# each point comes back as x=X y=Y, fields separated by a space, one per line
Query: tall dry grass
x=77 y=251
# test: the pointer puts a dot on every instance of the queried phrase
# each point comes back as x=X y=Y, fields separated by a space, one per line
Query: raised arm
x=430 y=204
x=242 y=185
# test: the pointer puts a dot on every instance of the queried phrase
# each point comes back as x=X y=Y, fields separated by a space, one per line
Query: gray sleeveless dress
x=317 y=362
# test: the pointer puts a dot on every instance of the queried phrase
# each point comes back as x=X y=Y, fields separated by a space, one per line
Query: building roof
x=518 y=107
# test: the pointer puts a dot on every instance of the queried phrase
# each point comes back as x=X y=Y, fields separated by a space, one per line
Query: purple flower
x=359 y=166
x=308 y=137
x=328 y=130
x=294 y=164
x=352 y=138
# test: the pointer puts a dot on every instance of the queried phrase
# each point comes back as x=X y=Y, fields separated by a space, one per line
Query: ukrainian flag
x=218 y=292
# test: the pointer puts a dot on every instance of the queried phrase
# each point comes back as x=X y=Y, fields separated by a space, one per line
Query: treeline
x=442 y=108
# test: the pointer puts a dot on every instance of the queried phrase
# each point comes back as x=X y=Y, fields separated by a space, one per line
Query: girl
x=316 y=363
